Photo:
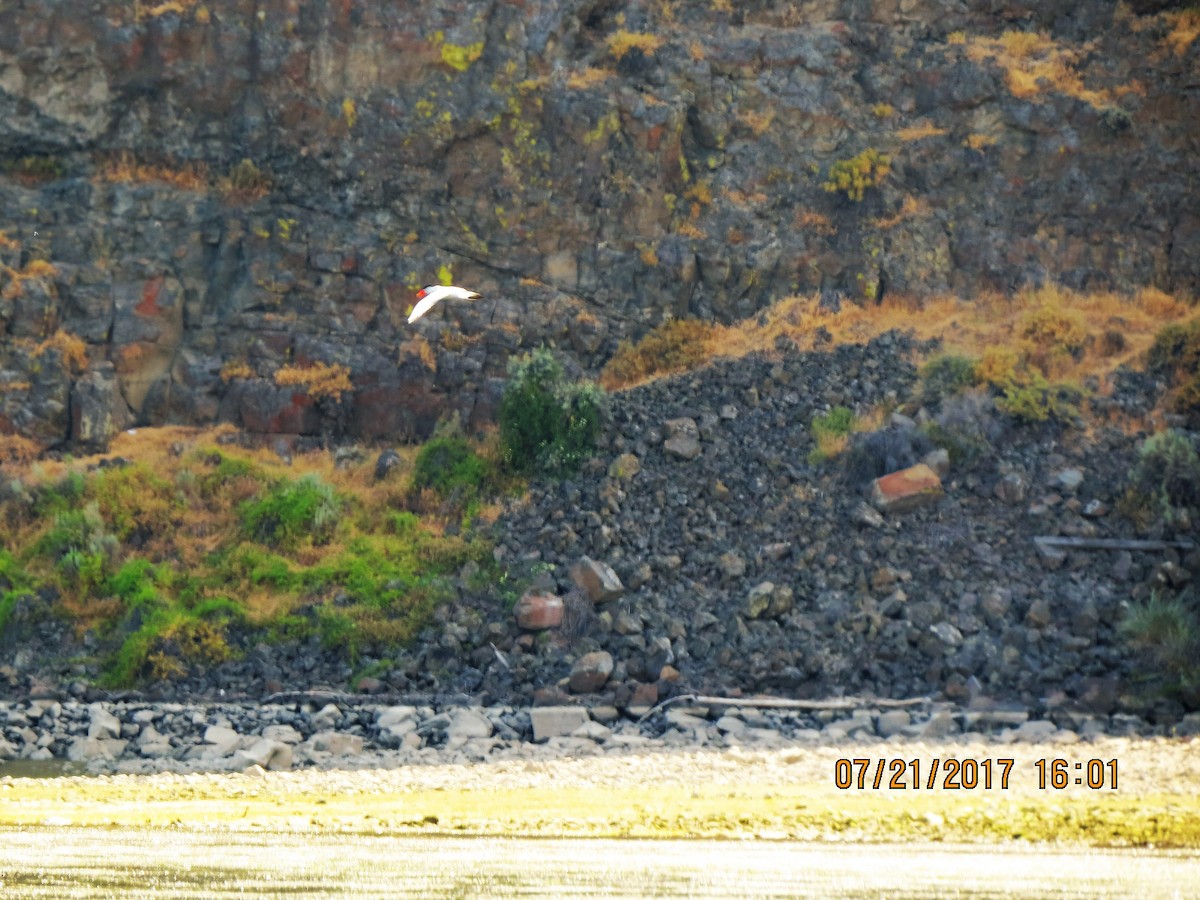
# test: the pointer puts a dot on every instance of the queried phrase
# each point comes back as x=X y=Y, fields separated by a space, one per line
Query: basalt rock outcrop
x=206 y=194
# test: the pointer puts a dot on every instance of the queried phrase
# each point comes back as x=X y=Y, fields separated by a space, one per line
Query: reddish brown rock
x=906 y=490
x=537 y=611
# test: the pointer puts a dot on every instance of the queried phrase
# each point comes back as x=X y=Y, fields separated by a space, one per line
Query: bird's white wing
x=435 y=292
x=425 y=305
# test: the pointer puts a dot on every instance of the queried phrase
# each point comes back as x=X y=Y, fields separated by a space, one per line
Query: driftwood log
x=1084 y=543
x=784 y=703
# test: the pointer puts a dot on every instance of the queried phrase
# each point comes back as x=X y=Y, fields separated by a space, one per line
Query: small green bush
x=1041 y=401
x=64 y=496
x=1168 y=470
x=1166 y=633
x=80 y=530
x=831 y=431
x=135 y=501
x=449 y=465
x=13 y=583
x=548 y=425
x=1175 y=354
x=853 y=176
x=292 y=511
x=944 y=376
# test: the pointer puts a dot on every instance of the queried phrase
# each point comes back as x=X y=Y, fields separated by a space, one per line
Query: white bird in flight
x=428 y=296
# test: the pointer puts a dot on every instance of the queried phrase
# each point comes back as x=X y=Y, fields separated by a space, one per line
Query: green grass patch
x=831 y=431
x=306 y=509
x=173 y=564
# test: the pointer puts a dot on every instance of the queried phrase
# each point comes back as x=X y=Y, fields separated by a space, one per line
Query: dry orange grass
x=919 y=132
x=1185 y=28
x=584 y=79
x=125 y=168
x=35 y=268
x=1034 y=63
x=818 y=223
x=911 y=208
x=318 y=380
x=969 y=327
x=71 y=349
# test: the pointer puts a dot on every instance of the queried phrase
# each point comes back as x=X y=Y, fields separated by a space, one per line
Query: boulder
x=591 y=671
x=468 y=723
x=682 y=439
x=224 y=739
x=556 y=721
x=538 y=610
x=906 y=490
x=597 y=580
x=102 y=723
x=266 y=753
x=335 y=743
x=87 y=749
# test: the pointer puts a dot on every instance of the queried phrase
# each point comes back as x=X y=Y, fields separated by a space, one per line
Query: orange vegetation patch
x=1075 y=335
x=1034 y=64
x=1185 y=28
x=34 y=269
x=124 y=168
x=318 y=380
x=919 y=132
x=71 y=349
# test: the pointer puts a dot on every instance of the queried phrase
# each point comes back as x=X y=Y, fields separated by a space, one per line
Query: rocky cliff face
x=209 y=193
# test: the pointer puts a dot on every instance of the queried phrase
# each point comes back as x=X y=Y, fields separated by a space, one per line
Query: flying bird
x=428 y=296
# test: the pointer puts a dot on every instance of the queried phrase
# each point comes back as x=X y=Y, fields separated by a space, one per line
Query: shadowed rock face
x=588 y=167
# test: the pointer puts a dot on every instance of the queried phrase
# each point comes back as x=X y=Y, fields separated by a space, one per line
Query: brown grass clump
x=236 y=369
x=622 y=42
x=1185 y=28
x=1034 y=63
x=911 y=208
x=318 y=380
x=980 y=141
x=35 y=268
x=674 y=346
x=816 y=222
x=245 y=182
x=584 y=79
x=919 y=132
x=15 y=448
x=987 y=327
x=71 y=349
x=125 y=168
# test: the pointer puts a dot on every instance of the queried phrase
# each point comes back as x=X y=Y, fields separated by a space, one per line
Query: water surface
x=67 y=862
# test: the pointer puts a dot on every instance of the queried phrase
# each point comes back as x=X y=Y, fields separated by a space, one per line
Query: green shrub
x=64 y=496
x=292 y=511
x=546 y=424
x=229 y=470
x=31 y=170
x=1041 y=401
x=135 y=501
x=449 y=465
x=944 y=376
x=1167 y=473
x=79 y=530
x=1166 y=633
x=13 y=583
x=1175 y=354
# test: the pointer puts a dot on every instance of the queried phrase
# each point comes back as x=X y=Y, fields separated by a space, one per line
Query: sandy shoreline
x=787 y=793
